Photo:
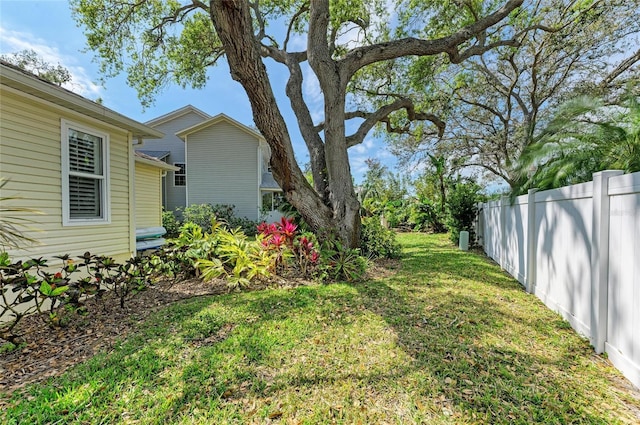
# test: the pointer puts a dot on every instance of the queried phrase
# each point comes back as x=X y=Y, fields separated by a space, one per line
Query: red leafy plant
x=295 y=251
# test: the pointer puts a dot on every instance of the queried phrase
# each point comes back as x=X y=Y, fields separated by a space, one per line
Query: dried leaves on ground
x=49 y=351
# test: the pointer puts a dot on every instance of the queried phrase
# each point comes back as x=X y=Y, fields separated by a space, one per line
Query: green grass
x=449 y=339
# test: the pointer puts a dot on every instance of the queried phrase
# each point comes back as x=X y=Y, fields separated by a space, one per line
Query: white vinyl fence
x=577 y=248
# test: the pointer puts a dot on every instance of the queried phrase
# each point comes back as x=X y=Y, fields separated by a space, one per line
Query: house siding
x=217 y=154
x=148 y=196
x=30 y=157
x=175 y=196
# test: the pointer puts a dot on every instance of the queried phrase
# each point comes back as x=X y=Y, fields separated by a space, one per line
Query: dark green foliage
x=204 y=215
x=462 y=200
x=425 y=216
x=171 y=224
x=339 y=262
x=396 y=212
x=377 y=241
x=201 y=214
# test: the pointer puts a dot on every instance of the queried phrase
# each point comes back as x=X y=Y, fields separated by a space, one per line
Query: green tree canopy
x=159 y=42
x=497 y=103
x=30 y=61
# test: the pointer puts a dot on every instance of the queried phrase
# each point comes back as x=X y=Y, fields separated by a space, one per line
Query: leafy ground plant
x=446 y=339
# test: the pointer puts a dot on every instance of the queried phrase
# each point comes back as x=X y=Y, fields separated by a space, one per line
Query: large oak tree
x=498 y=103
x=157 y=42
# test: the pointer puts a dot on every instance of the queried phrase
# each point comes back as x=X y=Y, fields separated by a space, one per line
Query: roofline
x=176 y=114
x=156 y=163
x=215 y=120
x=26 y=82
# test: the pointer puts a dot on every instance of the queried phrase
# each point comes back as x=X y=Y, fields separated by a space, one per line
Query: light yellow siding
x=148 y=197
x=30 y=157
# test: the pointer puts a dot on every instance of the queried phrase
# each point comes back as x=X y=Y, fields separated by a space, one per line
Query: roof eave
x=34 y=86
x=215 y=120
x=159 y=164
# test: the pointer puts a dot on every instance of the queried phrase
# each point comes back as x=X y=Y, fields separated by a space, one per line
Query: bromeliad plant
x=291 y=249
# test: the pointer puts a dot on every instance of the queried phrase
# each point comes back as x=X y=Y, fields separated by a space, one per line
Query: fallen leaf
x=276 y=415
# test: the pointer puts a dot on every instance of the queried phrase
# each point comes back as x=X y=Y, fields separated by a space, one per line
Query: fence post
x=600 y=258
x=479 y=228
x=531 y=241
x=504 y=202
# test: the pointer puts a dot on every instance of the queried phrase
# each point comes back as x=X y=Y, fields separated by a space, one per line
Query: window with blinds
x=84 y=181
x=85 y=175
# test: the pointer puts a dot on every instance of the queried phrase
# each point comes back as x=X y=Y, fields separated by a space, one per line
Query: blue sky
x=48 y=28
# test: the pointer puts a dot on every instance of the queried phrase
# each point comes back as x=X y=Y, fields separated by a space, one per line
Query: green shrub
x=201 y=214
x=376 y=241
x=396 y=213
x=462 y=208
x=171 y=224
x=339 y=262
x=425 y=216
x=220 y=253
x=205 y=215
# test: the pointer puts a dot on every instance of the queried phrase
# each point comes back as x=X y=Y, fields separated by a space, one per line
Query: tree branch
x=382 y=115
x=303 y=9
x=620 y=69
x=366 y=55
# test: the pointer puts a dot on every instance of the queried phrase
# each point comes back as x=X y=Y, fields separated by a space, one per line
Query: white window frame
x=105 y=193
x=184 y=167
x=273 y=194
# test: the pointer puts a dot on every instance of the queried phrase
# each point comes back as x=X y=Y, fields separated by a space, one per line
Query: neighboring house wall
x=170 y=124
x=30 y=156
x=148 y=196
x=223 y=168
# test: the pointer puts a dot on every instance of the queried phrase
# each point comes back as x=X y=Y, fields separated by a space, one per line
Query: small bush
x=171 y=224
x=425 y=216
x=377 y=241
x=462 y=208
x=201 y=214
x=204 y=215
x=339 y=262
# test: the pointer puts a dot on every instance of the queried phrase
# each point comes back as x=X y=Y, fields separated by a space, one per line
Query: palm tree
x=585 y=136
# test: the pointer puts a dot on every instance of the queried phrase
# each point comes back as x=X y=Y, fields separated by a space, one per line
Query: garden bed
x=49 y=351
x=446 y=338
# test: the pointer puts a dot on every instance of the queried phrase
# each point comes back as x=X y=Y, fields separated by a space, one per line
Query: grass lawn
x=448 y=339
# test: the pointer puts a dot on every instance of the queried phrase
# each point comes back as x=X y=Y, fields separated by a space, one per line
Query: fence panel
x=515 y=237
x=623 y=313
x=578 y=249
x=563 y=253
x=492 y=230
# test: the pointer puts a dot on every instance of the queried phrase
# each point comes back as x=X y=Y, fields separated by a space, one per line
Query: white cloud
x=81 y=83
x=369 y=148
x=297 y=43
x=313 y=94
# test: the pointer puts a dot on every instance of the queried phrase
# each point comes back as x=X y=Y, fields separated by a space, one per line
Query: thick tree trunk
x=333 y=81
x=232 y=21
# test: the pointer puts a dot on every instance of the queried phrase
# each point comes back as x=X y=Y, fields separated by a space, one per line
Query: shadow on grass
x=455 y=313
x=471 y=336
